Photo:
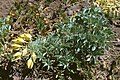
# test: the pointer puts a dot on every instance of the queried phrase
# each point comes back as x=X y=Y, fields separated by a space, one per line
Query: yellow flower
x=22 y=35
x=17 y=55
x=16 y=46
x=33 y=56
x=17 y=58
x=30 y=63
x=26 y=36
x=24 y=52
x=19 y=40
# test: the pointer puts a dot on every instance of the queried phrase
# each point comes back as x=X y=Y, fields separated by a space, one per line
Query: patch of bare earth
x=5 y=5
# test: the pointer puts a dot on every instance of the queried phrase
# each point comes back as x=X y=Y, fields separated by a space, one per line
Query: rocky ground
x=108 y=66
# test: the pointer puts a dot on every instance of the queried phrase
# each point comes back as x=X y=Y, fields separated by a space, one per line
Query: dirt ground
x=5 y=5
x=104 y=69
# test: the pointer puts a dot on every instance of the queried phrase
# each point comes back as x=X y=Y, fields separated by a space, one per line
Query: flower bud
x=24 y=52
x=30 y=63
x=33 y=56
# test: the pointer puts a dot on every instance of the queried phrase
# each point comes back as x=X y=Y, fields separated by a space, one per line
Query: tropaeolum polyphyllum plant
x=74 y=45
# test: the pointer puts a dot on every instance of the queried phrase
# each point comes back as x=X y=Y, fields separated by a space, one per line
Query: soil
x=105 y=68
x=5 y=5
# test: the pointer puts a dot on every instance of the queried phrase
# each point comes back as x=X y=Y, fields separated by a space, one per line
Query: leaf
x=93 y=48
x=88 y=57
x=60 y=64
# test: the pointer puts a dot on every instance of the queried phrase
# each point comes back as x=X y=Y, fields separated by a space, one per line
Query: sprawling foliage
x=74 y=44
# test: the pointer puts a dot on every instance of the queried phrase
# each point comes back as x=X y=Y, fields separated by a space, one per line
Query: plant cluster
x=74 y=45
x=5 y=68
x=4 y=32
x=110 y=7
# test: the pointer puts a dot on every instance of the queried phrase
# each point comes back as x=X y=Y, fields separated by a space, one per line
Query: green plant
x=74 y=44
x=5 y=64
x=4 y=32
